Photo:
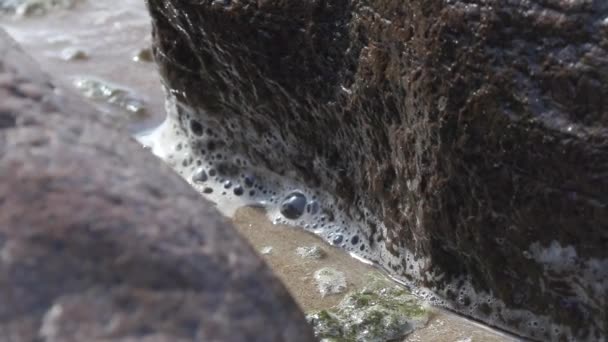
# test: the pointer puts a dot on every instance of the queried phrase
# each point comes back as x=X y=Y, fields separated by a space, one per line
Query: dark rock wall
x=474 y=129
x=99 y=241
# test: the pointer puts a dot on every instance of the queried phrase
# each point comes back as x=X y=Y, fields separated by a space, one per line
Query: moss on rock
x=380 y=312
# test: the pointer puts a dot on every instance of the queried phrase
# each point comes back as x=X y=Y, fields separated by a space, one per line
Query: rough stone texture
x=476 y=130
x=99 y=241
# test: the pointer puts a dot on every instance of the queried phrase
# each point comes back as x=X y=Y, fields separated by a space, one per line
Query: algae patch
x=380 y=312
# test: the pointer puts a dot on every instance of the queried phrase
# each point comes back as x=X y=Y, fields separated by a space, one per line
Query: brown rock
x=476 y=130
x=101 y=242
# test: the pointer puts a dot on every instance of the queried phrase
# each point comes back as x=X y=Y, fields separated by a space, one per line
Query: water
x=97 y=41
x=110 y=36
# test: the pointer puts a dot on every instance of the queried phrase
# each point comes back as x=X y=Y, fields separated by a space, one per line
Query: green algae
x=380 y=312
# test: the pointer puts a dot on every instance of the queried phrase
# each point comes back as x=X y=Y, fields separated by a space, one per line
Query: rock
x=101 y=242
x=267 y=250
x=330 y=281
x=310 y=252
x=476 y=133
x=143 y=55
x=380 y=312
x=74 y=54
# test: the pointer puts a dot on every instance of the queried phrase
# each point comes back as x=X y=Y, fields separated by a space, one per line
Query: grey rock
x=99 y=241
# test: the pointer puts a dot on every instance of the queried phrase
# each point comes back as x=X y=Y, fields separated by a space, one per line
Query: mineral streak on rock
x=99 y=241
x=473 y=134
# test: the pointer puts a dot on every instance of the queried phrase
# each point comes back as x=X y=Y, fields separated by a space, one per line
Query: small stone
x=310 y=252
x=266 y=250
x=143 y=55
x=325 y=325
x=330 y=281
x=74 y=54
x=380 y=312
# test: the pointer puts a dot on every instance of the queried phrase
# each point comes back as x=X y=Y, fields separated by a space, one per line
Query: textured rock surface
x=476 y=130
x=101 y=242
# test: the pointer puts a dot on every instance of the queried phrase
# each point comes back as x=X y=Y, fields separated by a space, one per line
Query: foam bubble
x=293 y=206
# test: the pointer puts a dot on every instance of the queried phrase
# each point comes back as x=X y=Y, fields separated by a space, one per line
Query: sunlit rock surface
x=99 y=241
x=465 y=143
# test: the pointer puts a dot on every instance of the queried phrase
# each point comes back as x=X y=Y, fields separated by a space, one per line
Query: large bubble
x=293 y=206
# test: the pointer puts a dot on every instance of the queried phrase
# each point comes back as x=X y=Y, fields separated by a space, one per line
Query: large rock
x=101 y=242
x=477 y=131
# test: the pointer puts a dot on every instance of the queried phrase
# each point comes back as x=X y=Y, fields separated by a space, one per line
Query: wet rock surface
x=101 y=242
x=477 y=131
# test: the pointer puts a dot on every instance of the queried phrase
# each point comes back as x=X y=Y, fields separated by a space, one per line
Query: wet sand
x=111 y=36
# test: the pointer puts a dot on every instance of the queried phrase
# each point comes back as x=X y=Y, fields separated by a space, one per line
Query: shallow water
x=101 y=41
x=110 y=36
